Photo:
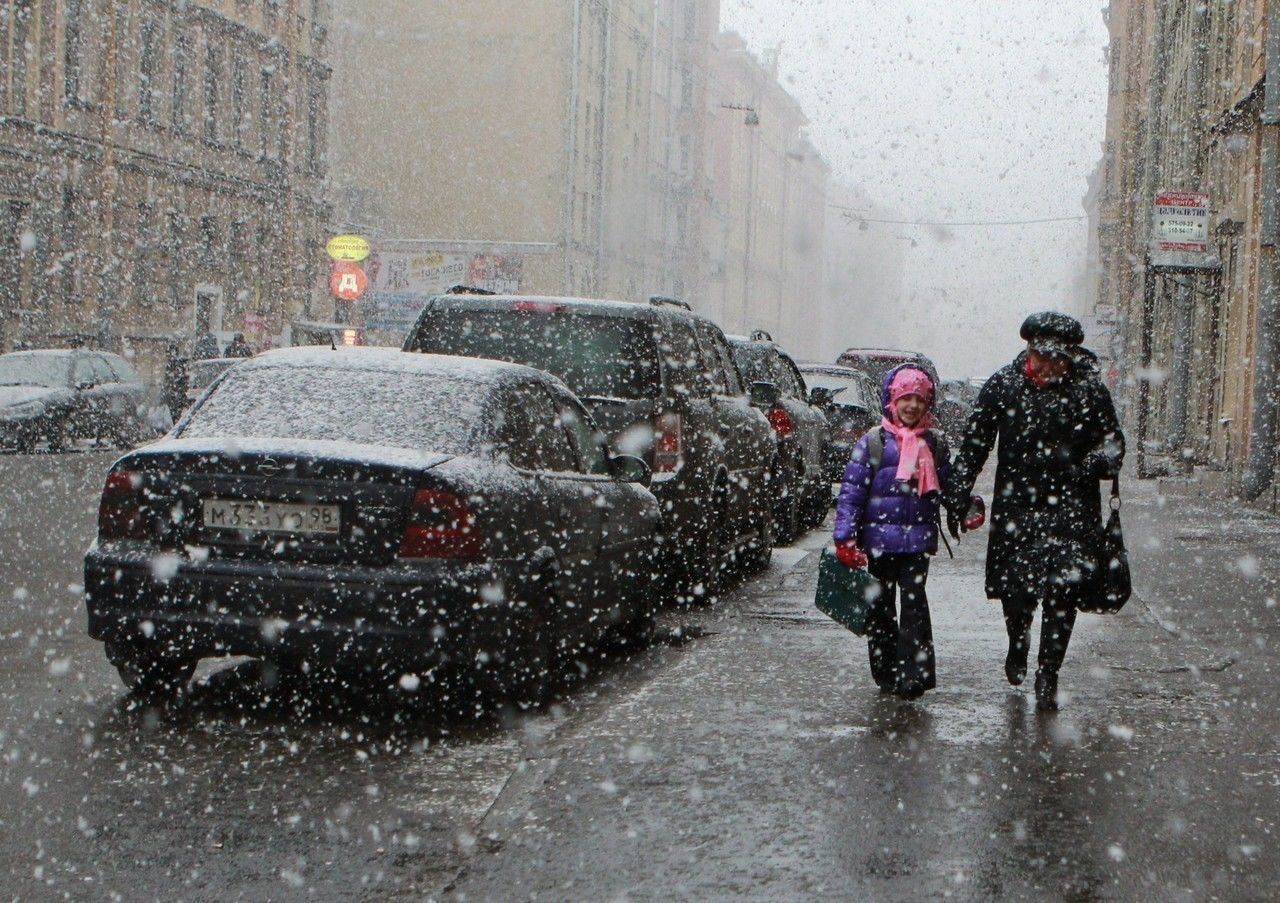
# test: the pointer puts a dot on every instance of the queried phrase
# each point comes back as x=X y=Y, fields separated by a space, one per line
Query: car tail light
x=781 y=422
x=122 y=509
x=668 y=443
x=441 y=525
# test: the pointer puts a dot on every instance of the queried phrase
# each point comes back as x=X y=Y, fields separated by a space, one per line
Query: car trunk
x=280 y=507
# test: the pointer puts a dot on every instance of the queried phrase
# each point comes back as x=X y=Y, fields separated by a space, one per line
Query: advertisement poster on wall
x=400 y=282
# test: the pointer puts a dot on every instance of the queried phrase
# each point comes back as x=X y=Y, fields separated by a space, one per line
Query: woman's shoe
x=911 y=691
x=1046 y=692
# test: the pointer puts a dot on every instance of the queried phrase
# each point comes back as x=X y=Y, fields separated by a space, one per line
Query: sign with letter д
x=347 y=281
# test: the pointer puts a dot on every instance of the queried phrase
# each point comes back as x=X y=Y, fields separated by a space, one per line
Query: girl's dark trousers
x=901 y=647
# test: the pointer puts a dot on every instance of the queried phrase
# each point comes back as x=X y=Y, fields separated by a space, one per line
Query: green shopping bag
x=845 y=594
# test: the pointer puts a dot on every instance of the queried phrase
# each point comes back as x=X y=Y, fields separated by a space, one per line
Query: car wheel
x=817 y=505
x=704 y=563
x=56 y=437
x=760 y=550
x=786 y=513
x=150 y=673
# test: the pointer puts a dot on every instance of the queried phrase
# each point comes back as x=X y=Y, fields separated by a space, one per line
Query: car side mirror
x=764 y=395
x=630 y=469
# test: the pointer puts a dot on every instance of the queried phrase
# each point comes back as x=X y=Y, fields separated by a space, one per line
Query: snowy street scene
x=639 y=450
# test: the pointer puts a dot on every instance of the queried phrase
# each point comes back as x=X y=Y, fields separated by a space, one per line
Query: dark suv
x=662 y=383
x=801 y=429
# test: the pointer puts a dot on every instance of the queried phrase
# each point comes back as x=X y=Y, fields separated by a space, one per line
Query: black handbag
x=1112 y=584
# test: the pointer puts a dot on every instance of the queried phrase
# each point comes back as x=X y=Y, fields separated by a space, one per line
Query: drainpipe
x=571 y=148
x=602 y=184
x=1185 y=300
x=1259 y=470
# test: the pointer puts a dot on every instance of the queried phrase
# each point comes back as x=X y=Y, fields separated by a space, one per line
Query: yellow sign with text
x=352 y=248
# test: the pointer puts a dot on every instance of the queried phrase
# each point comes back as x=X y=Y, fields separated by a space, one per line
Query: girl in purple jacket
x=888 y=511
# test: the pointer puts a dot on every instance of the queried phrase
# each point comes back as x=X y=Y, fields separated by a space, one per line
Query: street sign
x=347 y=281
x=352 y=248
x=1181 y=222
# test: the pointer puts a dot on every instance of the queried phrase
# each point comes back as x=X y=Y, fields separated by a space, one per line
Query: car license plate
x=271 y=517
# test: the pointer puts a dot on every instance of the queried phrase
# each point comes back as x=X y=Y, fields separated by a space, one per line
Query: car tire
x=760 y=550
x=56 y=437
x=704 y=564
x=149 y=673
x=787 y=513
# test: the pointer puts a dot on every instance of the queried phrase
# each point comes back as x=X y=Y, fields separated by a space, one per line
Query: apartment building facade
x=1191 y=109
x=161 y=169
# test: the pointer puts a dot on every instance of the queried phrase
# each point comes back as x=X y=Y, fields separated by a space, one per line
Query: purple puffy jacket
x=882 y=514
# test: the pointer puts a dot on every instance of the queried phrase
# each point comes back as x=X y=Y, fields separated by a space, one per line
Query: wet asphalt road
x=746 y=755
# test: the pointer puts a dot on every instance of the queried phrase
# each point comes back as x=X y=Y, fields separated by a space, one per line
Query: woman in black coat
x=1058 y=437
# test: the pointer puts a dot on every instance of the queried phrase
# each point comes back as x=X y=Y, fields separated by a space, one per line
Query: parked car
x=56 y=397
x=850 y=401
x=803 y=491
x=955 y=402
x=459 y=515
x=877 y=362
x=662 y=383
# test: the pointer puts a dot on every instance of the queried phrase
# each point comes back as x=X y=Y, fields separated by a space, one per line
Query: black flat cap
x=1050 y=332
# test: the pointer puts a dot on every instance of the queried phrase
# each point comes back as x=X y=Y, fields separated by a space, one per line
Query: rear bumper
x=349 y=616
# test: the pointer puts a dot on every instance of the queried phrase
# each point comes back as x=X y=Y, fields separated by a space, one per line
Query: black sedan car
x=851 y=402
x=55 y=397
x=367 y=510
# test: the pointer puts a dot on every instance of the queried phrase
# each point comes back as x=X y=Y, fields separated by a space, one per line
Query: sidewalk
x=760 y=762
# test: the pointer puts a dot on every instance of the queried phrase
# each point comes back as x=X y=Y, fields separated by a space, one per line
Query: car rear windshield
x=753 y=362
x=427 y=412
x=33 y=370
x=596 y=356
x=877 y=366
x=849 y=390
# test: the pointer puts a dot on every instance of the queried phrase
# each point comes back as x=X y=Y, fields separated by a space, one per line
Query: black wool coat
x=1055 y=446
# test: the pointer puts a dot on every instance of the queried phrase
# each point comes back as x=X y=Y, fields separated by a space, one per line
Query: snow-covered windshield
x=33 y=370
x=612 y=357
x=400 y=410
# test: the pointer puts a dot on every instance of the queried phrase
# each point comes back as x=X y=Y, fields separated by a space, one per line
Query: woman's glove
x=848 y=554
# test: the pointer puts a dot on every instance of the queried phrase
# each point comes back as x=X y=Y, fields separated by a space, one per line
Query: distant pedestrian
x=1058 y=437
x=174 y=391
x=887 y=520
x=238 y=347
x=206 y=348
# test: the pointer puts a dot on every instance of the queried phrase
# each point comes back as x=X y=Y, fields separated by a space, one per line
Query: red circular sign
x=347 y=281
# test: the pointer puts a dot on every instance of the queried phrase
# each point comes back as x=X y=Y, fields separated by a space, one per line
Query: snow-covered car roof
x=393 y=360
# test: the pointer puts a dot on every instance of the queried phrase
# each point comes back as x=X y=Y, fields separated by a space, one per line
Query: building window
x=213 y=62
x=210 y=241
x=68 y=265
x=268 y=120
x=184 y=56
x=315 y=129
x=241 y=118
x=23 y=13
x=270 y=15
x=150 y=51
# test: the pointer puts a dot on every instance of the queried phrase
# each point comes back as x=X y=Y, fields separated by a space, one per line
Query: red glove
x=848 y=554
x=977 y=514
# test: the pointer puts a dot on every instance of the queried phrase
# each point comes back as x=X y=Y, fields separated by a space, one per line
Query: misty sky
x=946 y=110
